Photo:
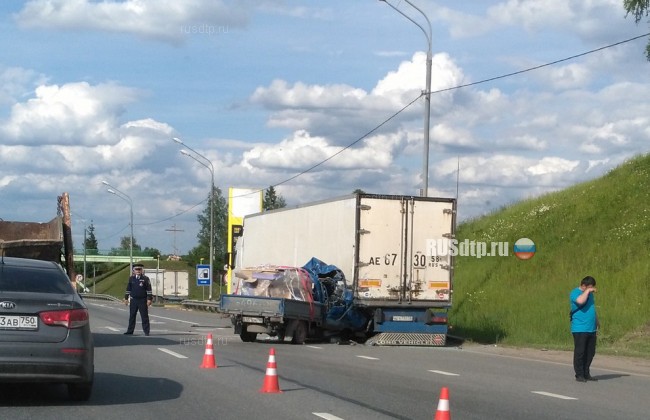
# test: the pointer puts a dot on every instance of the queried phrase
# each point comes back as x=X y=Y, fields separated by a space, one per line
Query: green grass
x=599 y=228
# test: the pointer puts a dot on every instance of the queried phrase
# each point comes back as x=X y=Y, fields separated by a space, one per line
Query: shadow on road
x=109 y=389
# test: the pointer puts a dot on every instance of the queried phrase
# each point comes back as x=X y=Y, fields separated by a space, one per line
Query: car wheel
x=300 y=333
x=247 y=337
x=80 y=391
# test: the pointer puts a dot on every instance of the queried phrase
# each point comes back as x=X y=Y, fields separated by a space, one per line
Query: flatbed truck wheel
x=247 y=337
x=300 y=333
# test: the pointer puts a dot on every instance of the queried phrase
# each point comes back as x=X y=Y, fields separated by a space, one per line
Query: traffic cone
x=208 y=357
x=442 y=413
x=271 y=384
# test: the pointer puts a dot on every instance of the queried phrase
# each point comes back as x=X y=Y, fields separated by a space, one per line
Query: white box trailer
x=383 y=245
x=169 y=284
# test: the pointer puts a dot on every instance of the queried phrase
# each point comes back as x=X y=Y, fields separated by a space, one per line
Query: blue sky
x=95 y=91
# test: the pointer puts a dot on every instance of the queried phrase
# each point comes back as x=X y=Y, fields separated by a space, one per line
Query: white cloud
x=165 y=20
x=72 y=113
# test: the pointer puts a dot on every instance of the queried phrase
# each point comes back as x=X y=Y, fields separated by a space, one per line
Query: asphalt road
x=160 y=377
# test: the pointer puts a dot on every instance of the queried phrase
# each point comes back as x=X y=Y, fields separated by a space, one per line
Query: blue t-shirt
x=584 y=319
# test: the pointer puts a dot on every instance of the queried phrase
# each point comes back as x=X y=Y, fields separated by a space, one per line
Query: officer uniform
x=138 y=294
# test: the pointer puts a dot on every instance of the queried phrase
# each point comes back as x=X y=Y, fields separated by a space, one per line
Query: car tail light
x=71 y=318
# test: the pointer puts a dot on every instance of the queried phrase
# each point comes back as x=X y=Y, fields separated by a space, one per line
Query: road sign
x=203 y=275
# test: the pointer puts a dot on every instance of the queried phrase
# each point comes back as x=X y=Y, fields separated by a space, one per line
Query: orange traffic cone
x=443 y=406
x=271 y=384
x=208 y=357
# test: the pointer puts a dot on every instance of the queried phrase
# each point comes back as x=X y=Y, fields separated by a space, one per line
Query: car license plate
x=252 y=320
x=403 y=318
x=19 y=322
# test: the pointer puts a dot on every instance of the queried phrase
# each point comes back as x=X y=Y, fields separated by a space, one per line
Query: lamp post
x=211 y=198
x=112 y=190
x=427 y=94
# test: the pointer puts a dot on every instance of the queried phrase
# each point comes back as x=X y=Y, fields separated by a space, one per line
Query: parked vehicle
x=168 y=284
x=382 y=244
x=44 y=327
x=292 y=302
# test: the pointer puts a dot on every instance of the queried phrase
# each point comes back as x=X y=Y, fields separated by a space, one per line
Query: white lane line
x=442 y=372
x=368 y=357
x=180 y=356
x=548 y=394
x=314 y=347
x=327 y=416
x=171 y=319
x=112 y=329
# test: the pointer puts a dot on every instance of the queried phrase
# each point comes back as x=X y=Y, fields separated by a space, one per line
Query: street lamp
x=126 y=198
x=211 y=198
x=427 y=94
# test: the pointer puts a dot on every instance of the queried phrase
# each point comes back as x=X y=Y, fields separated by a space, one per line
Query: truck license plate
x=19 y=322
x=403 y=318
x=252 y=320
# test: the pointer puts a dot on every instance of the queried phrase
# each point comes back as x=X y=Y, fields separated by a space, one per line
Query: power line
x=491 y=79
x=454 y=88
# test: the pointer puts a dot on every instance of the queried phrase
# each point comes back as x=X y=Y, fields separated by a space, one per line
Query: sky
x=317 y=99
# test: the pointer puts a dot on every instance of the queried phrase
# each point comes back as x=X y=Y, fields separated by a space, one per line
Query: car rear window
x=36 y=280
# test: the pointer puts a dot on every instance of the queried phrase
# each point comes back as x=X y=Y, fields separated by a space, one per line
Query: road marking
x=180 y=356
x=171 y=319
x=327 y=416
x=548 y=394
x=112 y=329
x=442 y=372
x=314 y=347
x=368 y=357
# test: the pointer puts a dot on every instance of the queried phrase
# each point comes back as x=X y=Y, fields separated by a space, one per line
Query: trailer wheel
x=247 y=337
x=300 y=333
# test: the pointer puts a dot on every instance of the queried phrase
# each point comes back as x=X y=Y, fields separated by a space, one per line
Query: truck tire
x=247 y=337
x=300 y=333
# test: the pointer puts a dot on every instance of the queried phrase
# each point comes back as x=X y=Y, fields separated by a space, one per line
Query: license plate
x=403 y=318
x=19 y=322
x=252 y=320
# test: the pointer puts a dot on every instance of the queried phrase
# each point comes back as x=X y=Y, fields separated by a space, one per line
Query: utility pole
x=173 y=229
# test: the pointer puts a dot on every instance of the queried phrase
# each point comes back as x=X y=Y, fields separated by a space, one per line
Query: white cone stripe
x=271 y=372
x=443 y=405
x=209 y=351
x=271 y=359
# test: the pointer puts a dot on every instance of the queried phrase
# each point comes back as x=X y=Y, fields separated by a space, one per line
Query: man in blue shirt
x=584 y=326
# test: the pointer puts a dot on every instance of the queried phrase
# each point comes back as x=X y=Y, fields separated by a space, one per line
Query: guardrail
x=202 y=305
x=100 y=297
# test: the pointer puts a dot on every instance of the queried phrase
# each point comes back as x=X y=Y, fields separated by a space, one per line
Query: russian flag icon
x=524 y=249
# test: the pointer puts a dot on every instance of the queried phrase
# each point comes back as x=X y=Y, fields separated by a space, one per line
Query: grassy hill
x=599 y=228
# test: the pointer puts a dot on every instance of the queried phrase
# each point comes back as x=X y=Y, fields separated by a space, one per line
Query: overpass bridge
x=111 y=258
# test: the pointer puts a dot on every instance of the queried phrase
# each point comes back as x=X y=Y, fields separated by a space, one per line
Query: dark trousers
x=584 y=351
x=138 y=304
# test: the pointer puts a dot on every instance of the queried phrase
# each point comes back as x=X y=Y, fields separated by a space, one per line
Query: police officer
x=139 y=297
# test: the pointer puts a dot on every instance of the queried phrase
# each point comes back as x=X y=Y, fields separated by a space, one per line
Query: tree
x=125 y=246
x=90 y=244
x=272 y=200
x=150 y=252
x=220 y=240
x=639 y=9
x=358 y=191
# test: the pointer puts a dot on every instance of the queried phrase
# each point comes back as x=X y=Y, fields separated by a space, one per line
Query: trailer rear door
x=396 y=264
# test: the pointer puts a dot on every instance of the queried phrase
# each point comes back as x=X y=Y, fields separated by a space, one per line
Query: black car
x=44 y=327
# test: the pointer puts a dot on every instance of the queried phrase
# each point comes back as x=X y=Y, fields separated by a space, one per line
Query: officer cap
x=136 y=266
